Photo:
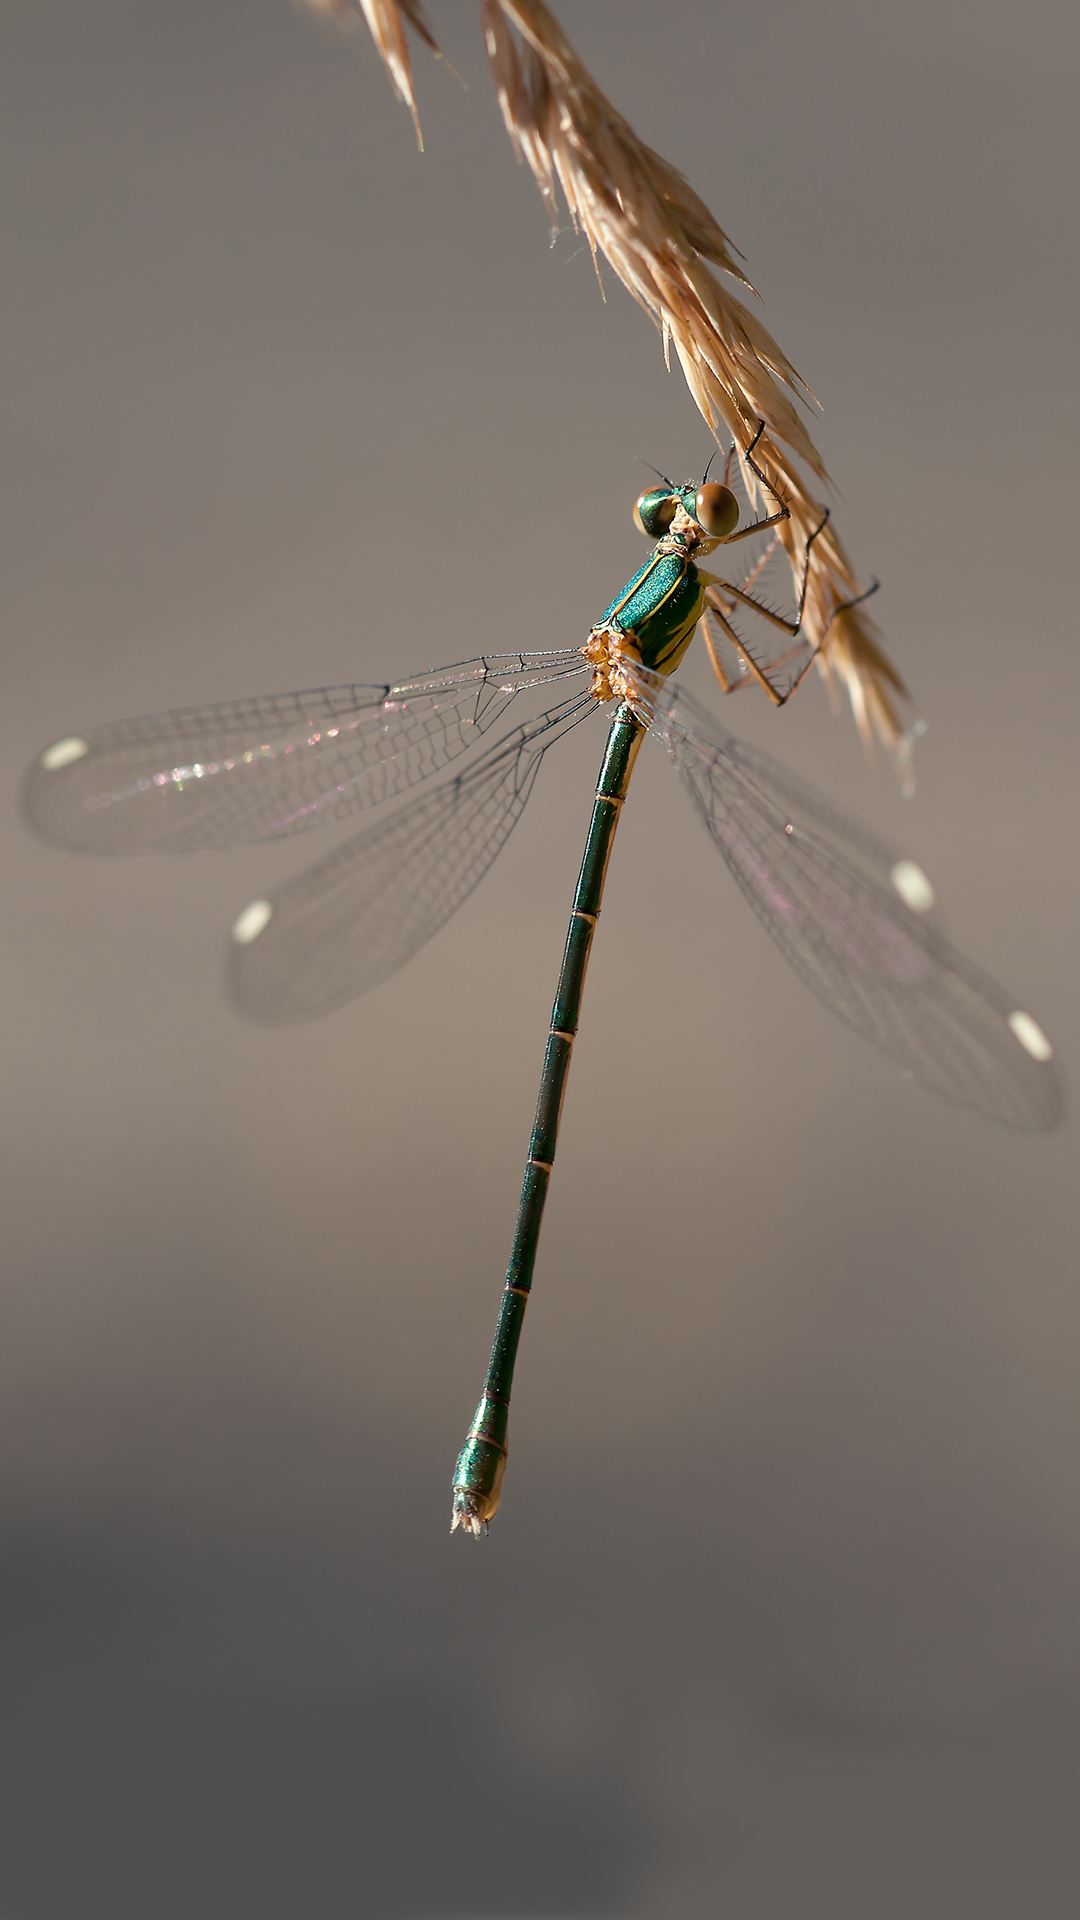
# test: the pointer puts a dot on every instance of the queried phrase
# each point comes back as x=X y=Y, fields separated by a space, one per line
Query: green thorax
x=659 y=607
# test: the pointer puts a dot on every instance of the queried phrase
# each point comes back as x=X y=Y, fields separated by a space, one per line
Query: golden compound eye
x=654 y=512
x=716 y=510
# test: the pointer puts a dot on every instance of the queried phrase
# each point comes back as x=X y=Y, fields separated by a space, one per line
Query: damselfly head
x=709 y=512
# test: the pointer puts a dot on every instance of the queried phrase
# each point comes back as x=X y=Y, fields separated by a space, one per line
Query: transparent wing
x=855 y=921
x=258 y=769
x=355 y=918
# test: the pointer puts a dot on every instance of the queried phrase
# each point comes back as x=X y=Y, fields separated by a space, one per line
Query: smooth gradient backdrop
x=780 y=1615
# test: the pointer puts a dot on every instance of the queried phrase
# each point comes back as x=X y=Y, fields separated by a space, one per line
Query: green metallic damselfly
x=855 y=919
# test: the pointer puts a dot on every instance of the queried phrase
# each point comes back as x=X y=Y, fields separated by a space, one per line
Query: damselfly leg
x=722 y=597
x=764 y=587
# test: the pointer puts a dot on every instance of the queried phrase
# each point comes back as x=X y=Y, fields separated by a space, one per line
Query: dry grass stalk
x=661 y=240
x=386 y=20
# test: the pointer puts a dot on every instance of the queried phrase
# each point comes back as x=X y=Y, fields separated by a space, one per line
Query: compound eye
x=716 y=510
x=654 y=512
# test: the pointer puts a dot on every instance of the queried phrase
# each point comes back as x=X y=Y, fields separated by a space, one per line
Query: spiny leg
x=758 y=673
x=755 y=674
x=726 y=685
x=774 y=519
x=717 y=588
x=775 y=544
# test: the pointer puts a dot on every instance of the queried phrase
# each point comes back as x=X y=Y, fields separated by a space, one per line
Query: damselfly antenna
x=656 y=470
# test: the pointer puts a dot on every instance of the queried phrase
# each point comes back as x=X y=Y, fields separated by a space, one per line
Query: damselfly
x=855 y=919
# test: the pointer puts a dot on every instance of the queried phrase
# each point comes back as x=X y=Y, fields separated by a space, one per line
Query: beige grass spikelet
x=386 y=20
x=640 y=214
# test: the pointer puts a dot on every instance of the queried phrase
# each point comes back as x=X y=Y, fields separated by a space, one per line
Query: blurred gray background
x=780 y=1615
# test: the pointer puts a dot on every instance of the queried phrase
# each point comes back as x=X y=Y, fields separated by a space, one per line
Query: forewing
x=260 y=769
x=355 y=918
x=836 y=902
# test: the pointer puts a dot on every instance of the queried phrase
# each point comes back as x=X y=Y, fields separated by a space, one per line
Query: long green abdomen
x=660 y=606
x=481 y=1463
